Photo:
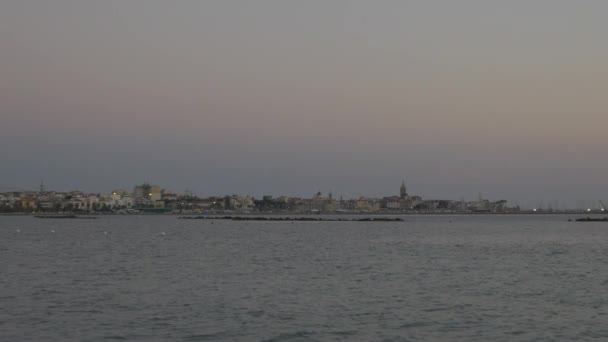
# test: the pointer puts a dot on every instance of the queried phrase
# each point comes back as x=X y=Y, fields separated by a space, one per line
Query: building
x=147 y=195
x=155 y=193
x=392 y=202
x=403 y=190
x=120 y=199
x=141 y=191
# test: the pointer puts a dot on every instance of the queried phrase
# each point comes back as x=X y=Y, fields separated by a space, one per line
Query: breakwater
x=319 y=219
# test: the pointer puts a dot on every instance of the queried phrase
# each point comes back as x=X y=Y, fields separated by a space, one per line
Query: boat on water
x=592 y=219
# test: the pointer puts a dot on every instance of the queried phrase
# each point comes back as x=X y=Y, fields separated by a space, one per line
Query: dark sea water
x=430 y=278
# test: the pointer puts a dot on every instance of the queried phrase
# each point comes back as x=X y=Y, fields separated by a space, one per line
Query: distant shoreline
x=312 y=215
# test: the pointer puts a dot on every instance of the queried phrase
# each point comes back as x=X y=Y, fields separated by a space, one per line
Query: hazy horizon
x=507 y=99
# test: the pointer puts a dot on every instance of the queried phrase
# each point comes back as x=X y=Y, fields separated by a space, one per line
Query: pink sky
x=504 y=98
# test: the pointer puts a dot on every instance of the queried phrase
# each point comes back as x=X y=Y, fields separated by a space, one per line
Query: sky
x=503 y=98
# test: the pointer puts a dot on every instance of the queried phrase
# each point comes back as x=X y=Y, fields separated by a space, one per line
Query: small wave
x=256 y=313
x=415 y=325
x=202 y=337
x=344 y=333
x=295 y=336
x=83 y=311
x=516 y=332
x=443 y=308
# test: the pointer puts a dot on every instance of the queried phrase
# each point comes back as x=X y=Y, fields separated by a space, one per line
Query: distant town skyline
x=153 y=199
x=506 y=99
x=402 y=192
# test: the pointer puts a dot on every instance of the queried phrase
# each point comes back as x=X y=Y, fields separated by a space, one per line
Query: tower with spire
x=403 y=190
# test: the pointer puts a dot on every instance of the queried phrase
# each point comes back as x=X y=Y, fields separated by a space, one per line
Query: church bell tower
x=403 y=191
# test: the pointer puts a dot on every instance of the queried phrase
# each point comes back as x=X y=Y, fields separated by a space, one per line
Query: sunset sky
x=504 y=98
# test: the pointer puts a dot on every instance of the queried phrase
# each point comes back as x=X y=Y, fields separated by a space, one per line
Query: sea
x=428 y=278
